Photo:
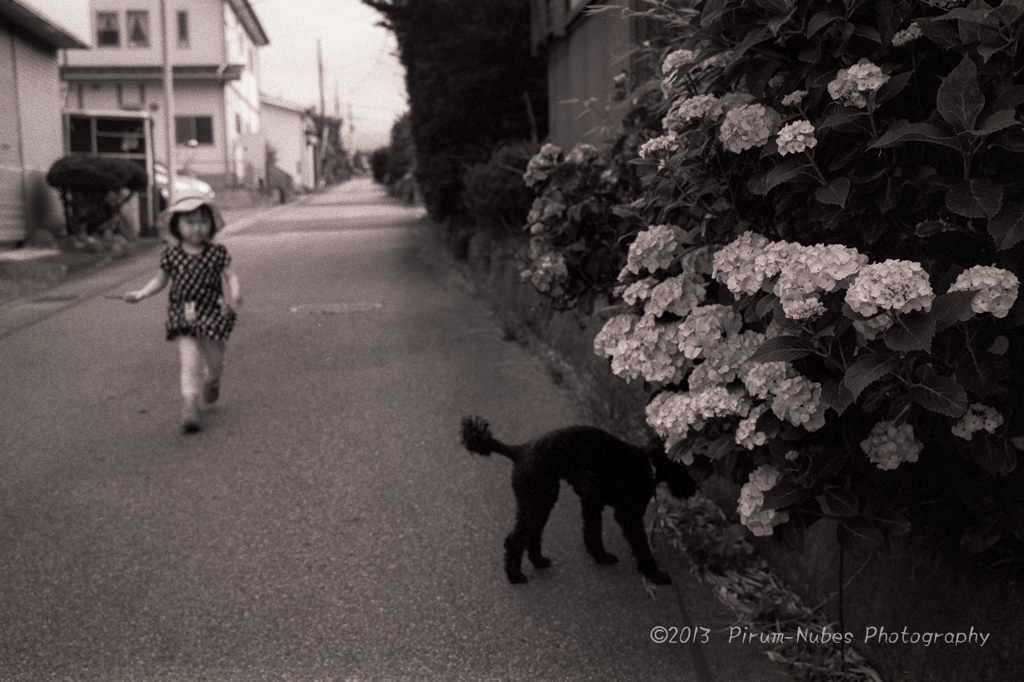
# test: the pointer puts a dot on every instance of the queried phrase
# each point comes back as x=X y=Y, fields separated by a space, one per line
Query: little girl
x=199 y=317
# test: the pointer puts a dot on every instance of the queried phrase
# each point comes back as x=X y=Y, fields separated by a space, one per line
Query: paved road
x=326 y=524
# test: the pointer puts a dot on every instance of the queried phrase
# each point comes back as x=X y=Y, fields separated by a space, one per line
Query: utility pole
x=321 y=145
x=172 y=161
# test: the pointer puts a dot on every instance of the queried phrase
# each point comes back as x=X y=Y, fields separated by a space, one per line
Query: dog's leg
x=592 y=539
x=532 y=511
x=632 y=525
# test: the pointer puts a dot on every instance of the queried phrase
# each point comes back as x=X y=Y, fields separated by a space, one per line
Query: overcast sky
x=361 y=70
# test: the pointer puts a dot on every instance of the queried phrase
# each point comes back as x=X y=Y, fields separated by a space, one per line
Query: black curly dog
x=602 y=469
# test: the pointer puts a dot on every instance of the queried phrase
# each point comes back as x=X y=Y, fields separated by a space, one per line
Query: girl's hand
x=133 y=297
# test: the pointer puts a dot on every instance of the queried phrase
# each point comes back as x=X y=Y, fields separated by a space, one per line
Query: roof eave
x=40 y=27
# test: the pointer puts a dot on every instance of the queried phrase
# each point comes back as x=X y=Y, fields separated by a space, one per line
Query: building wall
x=285 y=130
x=581 y=66
x=206 y=39
x=30 y=135
x=216 y=39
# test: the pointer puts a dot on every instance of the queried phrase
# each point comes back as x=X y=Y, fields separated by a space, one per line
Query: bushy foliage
x=823 y=297
x=495 y=196
x=469 y=73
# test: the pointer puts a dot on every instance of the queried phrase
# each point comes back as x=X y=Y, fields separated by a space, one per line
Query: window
x=137 y=28
x=182 y=29
x=198 y=128
x=108 y=30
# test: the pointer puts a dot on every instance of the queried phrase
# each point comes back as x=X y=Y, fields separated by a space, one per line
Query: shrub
x=823 y=297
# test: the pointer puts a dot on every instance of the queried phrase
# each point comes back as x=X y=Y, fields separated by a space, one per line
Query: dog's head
x=675 y=474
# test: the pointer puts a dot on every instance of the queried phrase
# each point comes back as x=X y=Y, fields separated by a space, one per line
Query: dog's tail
x=476 y=437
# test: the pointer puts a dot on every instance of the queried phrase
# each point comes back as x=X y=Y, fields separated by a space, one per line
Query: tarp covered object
x=96 y=174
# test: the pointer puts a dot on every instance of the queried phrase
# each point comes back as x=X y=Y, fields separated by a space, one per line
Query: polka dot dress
x=196 y=305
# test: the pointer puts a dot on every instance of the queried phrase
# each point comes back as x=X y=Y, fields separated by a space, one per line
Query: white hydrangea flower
x=978 y=418
x=672 y=415
x=705 y=327
x=639 y=291
x=659 y=146
x=796 y=137
x=678 y=295
x=677 y=59
x=747 y=126
x=871 y=328
x=761 y=522
x=794 y=98
x=540 y=166
x=725 y=361
x=897 y=285
x=762 y=378
x=583 y=153
x=642 y=347
x=798 y=401
x=653 y=249
x=997 y=289
x=687 y=109
x=907 y=35
x=889 y=445
x=734 y=264
x=850 y=84
x=747 y=434
x=547 y=267
x=810 y=270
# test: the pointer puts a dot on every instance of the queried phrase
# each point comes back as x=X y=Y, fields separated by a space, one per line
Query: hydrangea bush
x=820 y=268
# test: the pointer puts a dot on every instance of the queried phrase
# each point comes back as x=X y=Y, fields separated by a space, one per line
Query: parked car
x=184 y=185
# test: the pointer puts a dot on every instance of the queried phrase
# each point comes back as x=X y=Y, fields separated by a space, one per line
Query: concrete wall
x=285 y=130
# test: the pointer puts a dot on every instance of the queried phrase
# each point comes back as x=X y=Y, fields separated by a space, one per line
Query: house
x=587 y=51
x=286 y=129
x=30 y=115
x=214 y=49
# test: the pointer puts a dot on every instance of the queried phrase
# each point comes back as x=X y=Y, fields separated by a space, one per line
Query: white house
x=30 y=114
x=214 y=48
x=285 y=128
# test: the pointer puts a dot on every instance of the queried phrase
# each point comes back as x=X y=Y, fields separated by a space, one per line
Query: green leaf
x=836 y=501
x=901 y=132
x=993 y=454
x=947 y=309
x=844 y=116
x=939 y=32
x=910 y=332
x=785 y=495
x=785 y=171
x=893 y=86
x=978 y=538
x=835 y=193
x=976 y=371
x=783 y=349
x=893 y=524
x=1007 y=228
x=868 y=368
x=960 y=100
x=795 y=532
x=1000 y=120
x=859 y=535
x=976 y=198
x=940 y=394
x=820 y=21
x=836 y=395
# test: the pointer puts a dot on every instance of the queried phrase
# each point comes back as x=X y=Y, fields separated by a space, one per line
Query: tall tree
x=471 y=82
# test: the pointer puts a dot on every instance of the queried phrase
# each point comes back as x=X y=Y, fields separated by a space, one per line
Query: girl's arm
x=154 y=285
x=232 y=288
